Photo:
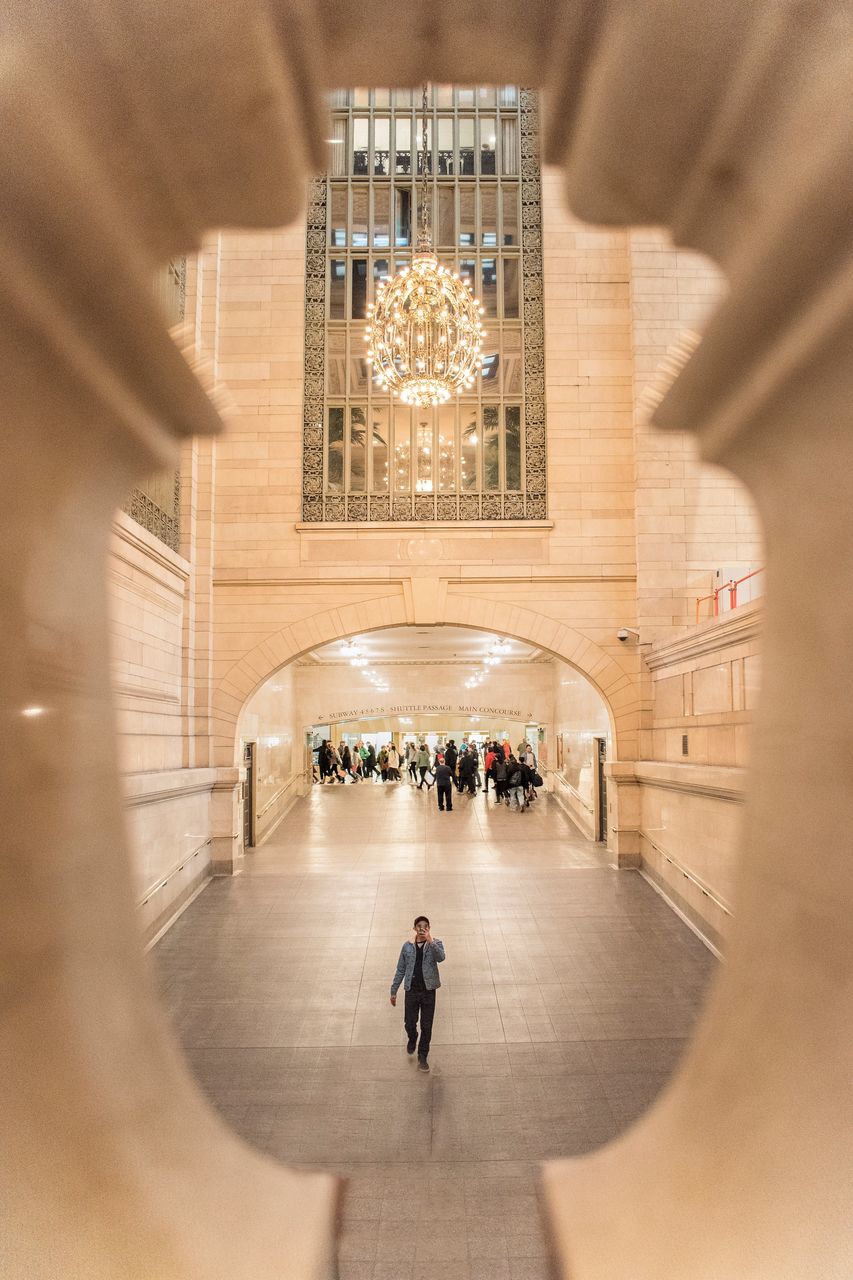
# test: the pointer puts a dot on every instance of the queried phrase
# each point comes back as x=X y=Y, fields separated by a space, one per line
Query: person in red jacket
x=487 y=765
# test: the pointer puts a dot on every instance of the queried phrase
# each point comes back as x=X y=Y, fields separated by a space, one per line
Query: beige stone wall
x=580 y=716
x=168 y=805
x=692 y=519
x=705 y=688
x=270 y=720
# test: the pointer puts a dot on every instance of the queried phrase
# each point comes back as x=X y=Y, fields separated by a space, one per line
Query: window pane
x=512 y=445
x=447 y=448
x=467 y=223
x=466 y=146
x=382 y=97
x=357 y=450
x=508 y=96
x=338 y=149
x=402 y=215
x=486 y=96
x=468 y=451
x=488 y=143
x=491 y=448
x=445 y=145
x=468 y=272
x=490 y=377
x=509 y=209
x=489 y=217
x=359 y=369
x=336 y=355
x=402 y=97
x=444 y=95
x=381 y=216
x=419 y=140
x=359 y=217
x=361 y=97
x=381 y=146
x=512 y=361
x=510 y=269
x=380 y=271
x=337 y=289
x=359 y=144
x=379 y=417
x=339 y=98
x=359 y=288
x=430 y=205
x=446 y=230
x=402 y=448
x=403 y=143
x=424 y=457
x=335 y=451
x=509 y=146
x=338 y=215
x=488 y=294
x=466 y=96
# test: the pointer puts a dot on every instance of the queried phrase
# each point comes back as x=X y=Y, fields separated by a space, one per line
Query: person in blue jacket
x=417 y=969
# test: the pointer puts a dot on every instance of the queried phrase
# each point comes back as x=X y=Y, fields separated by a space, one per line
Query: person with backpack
x=499 y=771
x=383 y=764
x=515 y=783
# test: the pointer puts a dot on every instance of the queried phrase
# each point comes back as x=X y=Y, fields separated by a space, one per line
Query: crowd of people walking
x=465 y=769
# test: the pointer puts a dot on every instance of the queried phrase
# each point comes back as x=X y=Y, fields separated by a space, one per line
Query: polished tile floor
x=567 y=995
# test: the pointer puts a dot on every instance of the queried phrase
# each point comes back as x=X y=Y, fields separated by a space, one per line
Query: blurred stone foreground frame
x=128 y=129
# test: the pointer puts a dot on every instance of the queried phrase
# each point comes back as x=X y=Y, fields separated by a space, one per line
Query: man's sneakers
x=423 y=1065
x=410 y=1047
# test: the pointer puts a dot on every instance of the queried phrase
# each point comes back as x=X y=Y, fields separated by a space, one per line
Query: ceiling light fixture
x=424 y=335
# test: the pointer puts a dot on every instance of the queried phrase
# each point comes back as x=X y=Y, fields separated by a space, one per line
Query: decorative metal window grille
x=156 y=503
x=366 y=457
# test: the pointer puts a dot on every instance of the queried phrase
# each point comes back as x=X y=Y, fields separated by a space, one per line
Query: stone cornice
x=720 y=782
x=737 y=627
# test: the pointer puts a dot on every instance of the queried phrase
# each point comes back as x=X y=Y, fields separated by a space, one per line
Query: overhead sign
x=424 y=708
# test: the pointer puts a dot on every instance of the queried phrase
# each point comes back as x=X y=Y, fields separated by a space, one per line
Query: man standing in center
x=444 y=786
x=417 y=969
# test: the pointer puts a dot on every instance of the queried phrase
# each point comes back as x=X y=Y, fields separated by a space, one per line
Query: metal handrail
x=303 y=773
x=731 y=586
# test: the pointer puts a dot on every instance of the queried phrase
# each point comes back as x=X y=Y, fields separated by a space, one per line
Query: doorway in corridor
x=426 y=684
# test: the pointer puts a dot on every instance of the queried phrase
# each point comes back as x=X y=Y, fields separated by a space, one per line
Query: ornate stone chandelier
x=424 y=333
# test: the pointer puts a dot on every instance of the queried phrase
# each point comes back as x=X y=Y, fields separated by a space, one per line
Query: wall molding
x=738 y=627
x=162 y=785
x=730 y=784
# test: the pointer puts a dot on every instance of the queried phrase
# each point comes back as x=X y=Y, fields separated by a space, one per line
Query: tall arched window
x=366 y=456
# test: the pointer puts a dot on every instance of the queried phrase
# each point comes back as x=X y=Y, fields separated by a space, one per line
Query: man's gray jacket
x=433 y=955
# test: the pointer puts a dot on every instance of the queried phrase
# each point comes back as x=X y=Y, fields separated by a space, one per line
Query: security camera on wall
x=625 y=633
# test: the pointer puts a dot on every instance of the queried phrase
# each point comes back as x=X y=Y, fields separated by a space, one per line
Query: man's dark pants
x=423 y=1003
x=445 y=795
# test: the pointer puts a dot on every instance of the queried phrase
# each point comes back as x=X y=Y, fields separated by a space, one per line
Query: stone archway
x=423 y=602
x=617 y=688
